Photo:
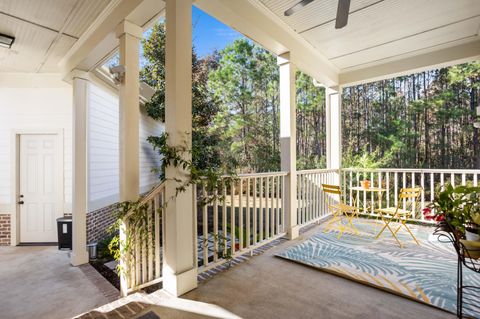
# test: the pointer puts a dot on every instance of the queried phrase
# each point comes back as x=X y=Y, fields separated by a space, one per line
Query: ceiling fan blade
x=342 y=13
x=296 y=7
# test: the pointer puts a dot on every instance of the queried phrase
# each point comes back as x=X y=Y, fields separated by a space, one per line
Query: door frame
x=15 y=175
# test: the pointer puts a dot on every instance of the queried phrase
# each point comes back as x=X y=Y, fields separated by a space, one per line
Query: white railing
x=243 y=213
x=246 y=212
x=312 y=203
x=392 y=180
x=142 y=242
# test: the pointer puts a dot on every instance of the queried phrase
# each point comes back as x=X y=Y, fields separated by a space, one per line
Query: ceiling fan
x=342 y=11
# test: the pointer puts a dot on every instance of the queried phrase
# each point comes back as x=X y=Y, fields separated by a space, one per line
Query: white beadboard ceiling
x=382 y=30
x=44 y=31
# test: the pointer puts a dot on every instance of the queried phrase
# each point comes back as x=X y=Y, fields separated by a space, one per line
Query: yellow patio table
x=373 y=190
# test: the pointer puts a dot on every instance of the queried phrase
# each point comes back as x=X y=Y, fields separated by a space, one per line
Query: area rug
x=426 y=273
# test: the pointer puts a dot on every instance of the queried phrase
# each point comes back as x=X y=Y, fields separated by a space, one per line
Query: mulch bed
x=106 y=272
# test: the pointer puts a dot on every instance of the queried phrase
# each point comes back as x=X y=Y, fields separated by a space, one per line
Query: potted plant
x=459 y=206
x=472 y=228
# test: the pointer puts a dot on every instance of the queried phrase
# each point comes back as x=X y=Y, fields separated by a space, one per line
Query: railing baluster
x=195 y=228
x=452 y=179
x=380 y=186
x=240 y=215
x=278 y=205
x=247 y=217
x=215 y=225
x=464 y=182
x=267 y=208
x=255 y=229
x=395 y=187
x=205 y=243
x=232 y=216
x=432 y=187
x=284 y=203
x=224 y=216
x=260 y=219
x=150 y=241
x=475 y=179
x=387 y=178
x=351 y=192
x=158 y=232
x=422 y=184
x=272 y=208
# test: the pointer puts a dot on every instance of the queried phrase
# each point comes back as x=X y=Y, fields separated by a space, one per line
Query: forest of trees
x=424 y=120
x=421 y=120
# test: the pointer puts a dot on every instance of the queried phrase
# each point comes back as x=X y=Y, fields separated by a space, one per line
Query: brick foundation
x=5 y=229
x=99 y=221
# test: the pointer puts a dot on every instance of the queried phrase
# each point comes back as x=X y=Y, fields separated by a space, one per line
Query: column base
x=293 y=232
x=178 y=284
x=78 y=258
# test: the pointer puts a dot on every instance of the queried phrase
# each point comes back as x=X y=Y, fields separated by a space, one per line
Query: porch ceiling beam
x=99 y=41
x=418 y=63
x=252 y=19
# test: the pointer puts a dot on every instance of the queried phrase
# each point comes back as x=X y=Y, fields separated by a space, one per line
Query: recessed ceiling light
x=6 y=41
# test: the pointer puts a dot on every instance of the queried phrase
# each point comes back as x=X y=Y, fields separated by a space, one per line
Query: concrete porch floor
x=265 y=286
x=39 y=282
x=269 y=287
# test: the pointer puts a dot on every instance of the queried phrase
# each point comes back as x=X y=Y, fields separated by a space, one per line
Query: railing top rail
x=414 y=170
x=318 y=170
x=148 y=197
x=251 y=175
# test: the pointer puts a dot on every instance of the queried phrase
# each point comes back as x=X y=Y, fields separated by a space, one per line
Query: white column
x=334 y=127
x=288 y=132
x=80 y=84
x=179 y=267
x=129 y=36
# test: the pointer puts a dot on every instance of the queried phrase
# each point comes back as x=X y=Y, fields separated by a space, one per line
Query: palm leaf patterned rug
x=426 y=273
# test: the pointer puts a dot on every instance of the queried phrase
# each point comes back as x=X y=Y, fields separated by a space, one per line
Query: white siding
x=149 y=158
x=103 y=138
x=28 y=106
x=103 y=153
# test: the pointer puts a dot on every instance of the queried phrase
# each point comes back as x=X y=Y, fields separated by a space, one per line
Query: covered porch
x=188 y=239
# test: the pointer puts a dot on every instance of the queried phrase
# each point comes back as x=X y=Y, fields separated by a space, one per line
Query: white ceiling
x=380 y=31
x=44 y=31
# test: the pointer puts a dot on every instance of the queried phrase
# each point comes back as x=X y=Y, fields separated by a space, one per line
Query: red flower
x=440 y=217
x=427 y=213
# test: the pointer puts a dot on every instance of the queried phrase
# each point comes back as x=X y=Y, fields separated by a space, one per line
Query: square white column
x=288 y=151
x=129 y=36
x=179 y=267
x=334 y=127
x=79 y=253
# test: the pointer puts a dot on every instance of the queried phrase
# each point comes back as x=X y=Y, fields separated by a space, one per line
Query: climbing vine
x=137 y=213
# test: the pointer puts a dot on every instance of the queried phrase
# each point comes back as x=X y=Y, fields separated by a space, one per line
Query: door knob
x=20 y=202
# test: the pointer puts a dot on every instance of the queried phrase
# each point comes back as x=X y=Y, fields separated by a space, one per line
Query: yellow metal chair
x=340 y=210
x=401 y=215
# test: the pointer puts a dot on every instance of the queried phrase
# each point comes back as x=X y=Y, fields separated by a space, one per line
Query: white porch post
x=79 y=254
x=179 y=267
x=129 y=36
x=334 y=127
x=288 y=151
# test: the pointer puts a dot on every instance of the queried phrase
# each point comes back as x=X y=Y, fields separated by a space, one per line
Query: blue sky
x=209 y=33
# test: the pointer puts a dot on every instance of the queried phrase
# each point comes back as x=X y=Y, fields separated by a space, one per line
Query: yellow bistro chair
x=401 y=215
x=340 y=210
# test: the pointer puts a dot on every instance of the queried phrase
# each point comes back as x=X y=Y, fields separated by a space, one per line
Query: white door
x=41 y=187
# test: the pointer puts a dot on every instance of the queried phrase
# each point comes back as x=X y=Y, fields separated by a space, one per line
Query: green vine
x=178 y=157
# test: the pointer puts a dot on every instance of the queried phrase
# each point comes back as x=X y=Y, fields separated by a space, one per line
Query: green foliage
x=459 y=205
x=206 y=152
x=423 y=120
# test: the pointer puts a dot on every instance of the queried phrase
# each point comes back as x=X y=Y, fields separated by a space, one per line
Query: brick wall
x=99 y=221
x=5 y=229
